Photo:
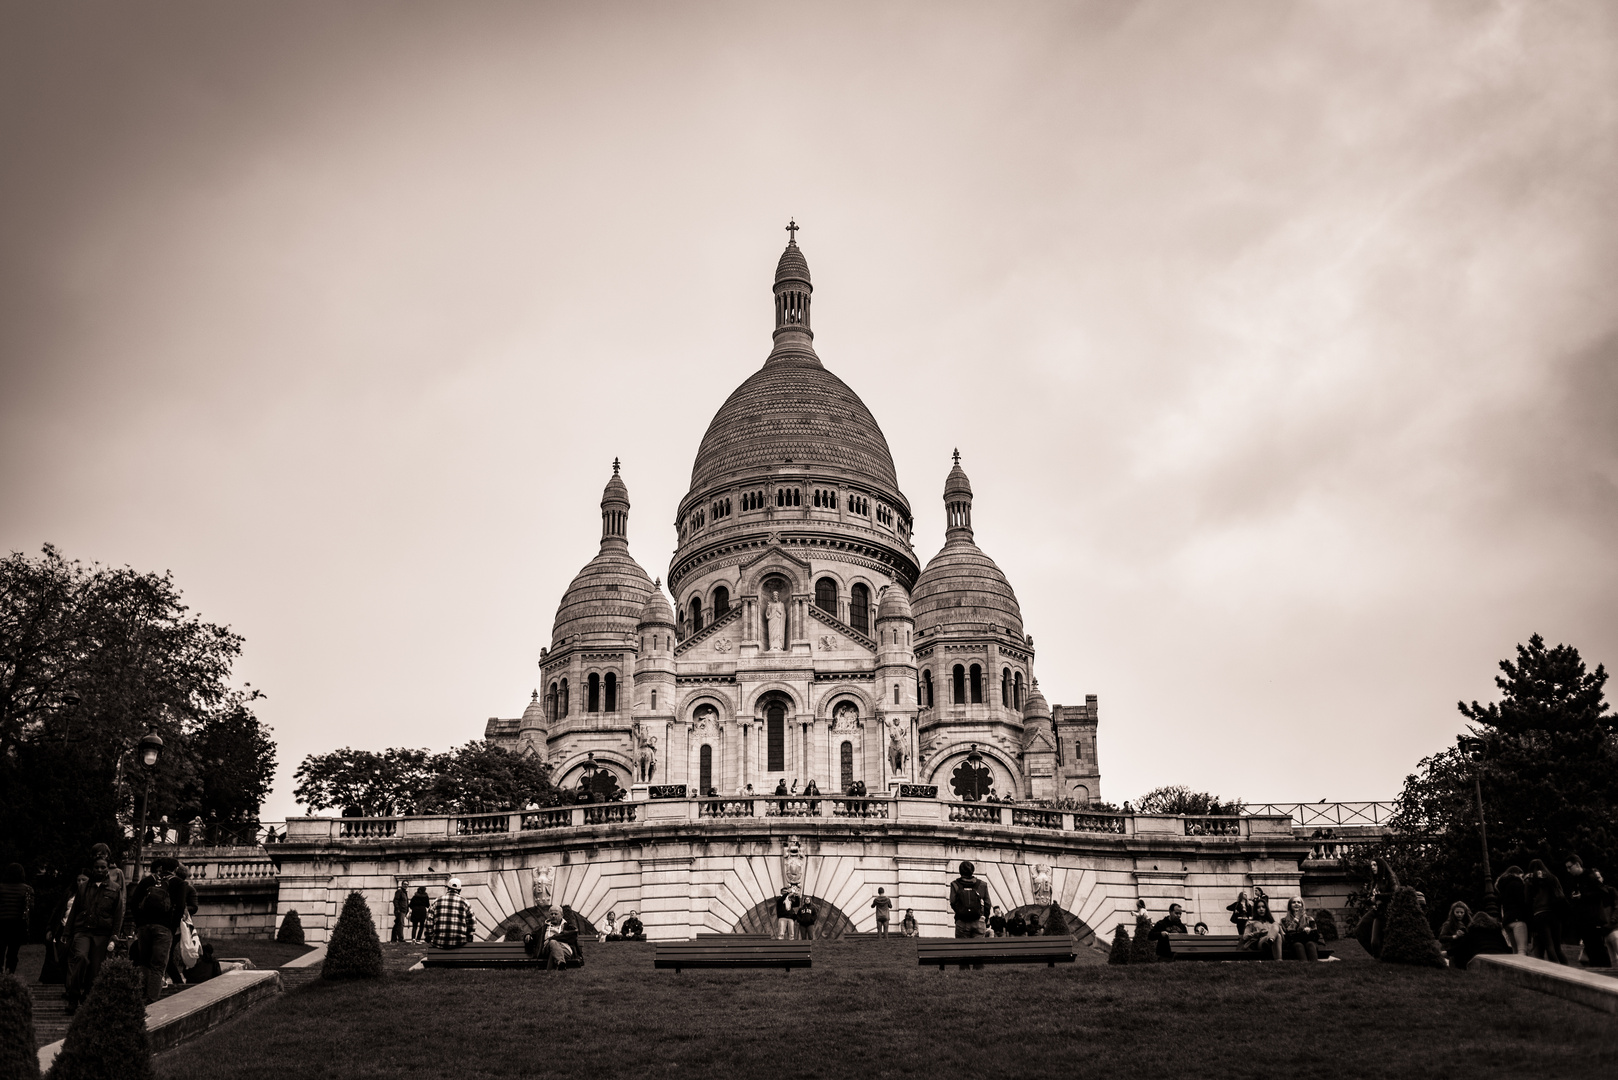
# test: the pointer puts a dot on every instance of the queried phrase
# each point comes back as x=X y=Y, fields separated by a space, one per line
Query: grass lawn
x=866 y=1009
x=264 y=952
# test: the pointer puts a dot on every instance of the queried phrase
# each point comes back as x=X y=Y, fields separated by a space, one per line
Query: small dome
x=895 y=604
x=963 y=589
x=534 y=715
x=793 y=266
x=606 y=597
x=657 y=611
x=956 y=482
x=1035 y=706
x=616 y=490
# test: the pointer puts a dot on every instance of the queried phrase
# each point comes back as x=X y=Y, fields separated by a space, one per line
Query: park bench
x=974 y=952
x=494 y=954
x=1214 y=947
x=738 y=952
x=707 y=935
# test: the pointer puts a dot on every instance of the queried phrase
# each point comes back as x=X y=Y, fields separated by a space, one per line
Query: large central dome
x=792 y=410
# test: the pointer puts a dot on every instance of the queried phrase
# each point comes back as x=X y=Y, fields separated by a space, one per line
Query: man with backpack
x=969 y=899
x=154 y=909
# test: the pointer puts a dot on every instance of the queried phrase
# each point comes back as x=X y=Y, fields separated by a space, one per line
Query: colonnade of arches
x=696 y=614
x=600 y=695
x=966 y=687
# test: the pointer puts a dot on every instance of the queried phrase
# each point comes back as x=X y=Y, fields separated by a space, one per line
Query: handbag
x=190 y=944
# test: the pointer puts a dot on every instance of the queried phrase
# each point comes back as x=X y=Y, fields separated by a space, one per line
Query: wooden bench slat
x=1047 y=950
x=717 y=953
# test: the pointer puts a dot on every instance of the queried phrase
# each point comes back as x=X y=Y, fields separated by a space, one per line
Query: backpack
x=967 y=901
x=156 y=905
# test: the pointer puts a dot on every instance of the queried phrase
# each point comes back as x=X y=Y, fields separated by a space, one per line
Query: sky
x=1278 y=340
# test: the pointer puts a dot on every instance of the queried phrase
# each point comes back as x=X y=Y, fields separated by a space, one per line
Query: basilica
x=804 y=641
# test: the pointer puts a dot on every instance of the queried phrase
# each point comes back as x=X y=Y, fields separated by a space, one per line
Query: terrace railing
x=610 y=814
x=483 y=824
x=1036 y=819
x=860 y=808
x=1332 y=814
x=547 y=819
x=368 y=828
x=724 y=808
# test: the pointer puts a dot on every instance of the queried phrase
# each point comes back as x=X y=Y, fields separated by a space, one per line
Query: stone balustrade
x=670 y=811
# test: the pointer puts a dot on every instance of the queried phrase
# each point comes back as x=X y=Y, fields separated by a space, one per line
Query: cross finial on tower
x=792 y=231
x=957 y=455
x=615 y=466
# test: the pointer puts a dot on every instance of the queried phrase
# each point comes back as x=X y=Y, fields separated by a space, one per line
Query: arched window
x=927 y=688
x=721 y=602
x=845 y=756
x=859 y=608
x=592 y=701
x=705 y=769
x=654 y=700
x=826 y=595
x=896 y=693
x=958 y=686
x=1016 y=690
x=612 y=692
x=775 y=733
x=553 y=703
x=696 y=614
x=1005 y=687
x=977 y=685
x=564 y=698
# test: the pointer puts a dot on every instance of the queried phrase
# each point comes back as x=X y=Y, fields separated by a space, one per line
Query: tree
x=1546 y=760
x=107 y=1039
x=1119 y=953
x=90 y=659
x=362 y=783
x=291 y=932
x=475 y=778
x=1409 y=938
x=1142 y=950
x=19 y=1057
x=354 y=951
x=236 y=759
x=1179 y=799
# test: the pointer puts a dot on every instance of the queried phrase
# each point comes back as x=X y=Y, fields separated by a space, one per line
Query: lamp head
x=151 y=748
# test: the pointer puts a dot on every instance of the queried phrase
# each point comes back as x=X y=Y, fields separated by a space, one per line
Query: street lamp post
x=1474 y=749
x=151 y=750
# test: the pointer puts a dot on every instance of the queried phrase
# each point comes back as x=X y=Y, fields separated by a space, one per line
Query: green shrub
x=1120 y=946
x=353 y=951
x=1056 y=921
x=18 y=1057
x=107 y=1039
x=1142 y=950
x=1408 y=938
x=1326 y=923
x=291 y=932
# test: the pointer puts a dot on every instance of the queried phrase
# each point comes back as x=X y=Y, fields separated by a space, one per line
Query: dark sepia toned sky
x=1279 y=340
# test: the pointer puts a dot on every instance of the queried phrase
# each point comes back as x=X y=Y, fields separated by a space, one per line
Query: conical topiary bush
x=291 y=932
x=17 y=1054
x=1142 y=950
x=1055 y=921
x=353 y=950
x=107 y=1040
x=1120 y=945
x=1408 y=938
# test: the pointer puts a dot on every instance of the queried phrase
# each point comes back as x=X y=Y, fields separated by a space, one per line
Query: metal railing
x=1336 y=814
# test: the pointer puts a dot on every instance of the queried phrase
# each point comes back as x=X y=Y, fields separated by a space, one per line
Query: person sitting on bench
x=450 y=921
x=1300 y=938
x=1261 y=934
x=556 y=941
x=1172 y=923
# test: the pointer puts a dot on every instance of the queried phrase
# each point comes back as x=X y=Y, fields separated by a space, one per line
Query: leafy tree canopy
x=1179 y=799
x=1545 y=757
x=91 y=658
x=475 y=778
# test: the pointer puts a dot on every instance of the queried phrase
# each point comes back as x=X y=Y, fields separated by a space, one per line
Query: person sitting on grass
x=1032 y=927
x=997 y=923
x=1483 y=934
x=1300 y=938
x=205 y=968
x=1172 y=923
x=1261 y=935
x=1455 y=926
x=450 y=922
x=908 y=926
x=1201 y=929
x=633 y=929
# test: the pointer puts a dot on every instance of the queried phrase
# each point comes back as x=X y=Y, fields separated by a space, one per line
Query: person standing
x=419 y=904
x=184 y=897
x=969 y=900
x=1240 y=911
x=883 y=907
x=806 y=918
x=98 y=914
x=401 y=909
x=1512 y=889
x=449 y=921
x=786 y=906
x=1545 y=899
x=153 y=904
x=16 y=908
x=1586 y=901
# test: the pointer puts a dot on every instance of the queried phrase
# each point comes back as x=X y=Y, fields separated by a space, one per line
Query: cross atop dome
x=792 y=230
x=615 y=464
x=957 y=456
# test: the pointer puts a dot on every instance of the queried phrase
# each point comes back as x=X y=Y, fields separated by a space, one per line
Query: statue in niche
x=646 y=759
x=775 y=623
x=1040 y=878
x=844 y=716
x=544 y=883
x=707 y=718
x=792 y=864
x=898 y=745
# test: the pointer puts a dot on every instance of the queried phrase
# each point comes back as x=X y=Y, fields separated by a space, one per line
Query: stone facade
x=804 y=640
